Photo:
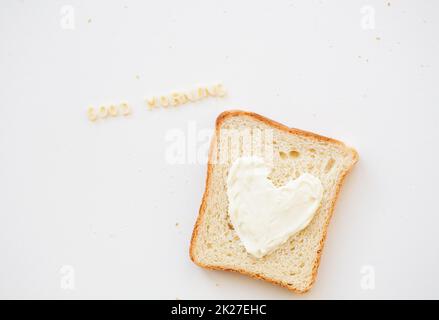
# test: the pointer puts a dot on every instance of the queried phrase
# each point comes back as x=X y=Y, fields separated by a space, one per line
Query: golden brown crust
x=233 y=113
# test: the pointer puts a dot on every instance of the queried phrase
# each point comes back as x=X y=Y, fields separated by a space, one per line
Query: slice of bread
x=291 y=152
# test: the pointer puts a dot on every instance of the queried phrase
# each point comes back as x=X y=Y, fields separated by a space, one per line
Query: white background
x=101 y=198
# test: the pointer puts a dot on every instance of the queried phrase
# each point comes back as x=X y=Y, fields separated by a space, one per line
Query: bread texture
x=291 y=152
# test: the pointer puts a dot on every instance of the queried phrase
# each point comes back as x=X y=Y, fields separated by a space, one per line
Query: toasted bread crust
x=234 y=113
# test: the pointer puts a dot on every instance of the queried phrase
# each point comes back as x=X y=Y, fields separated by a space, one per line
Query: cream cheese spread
x=264 y=216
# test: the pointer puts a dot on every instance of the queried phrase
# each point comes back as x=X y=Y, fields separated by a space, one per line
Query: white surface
x=101 y=197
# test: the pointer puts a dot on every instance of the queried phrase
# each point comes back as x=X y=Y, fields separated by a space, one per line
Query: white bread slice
x=215 y=245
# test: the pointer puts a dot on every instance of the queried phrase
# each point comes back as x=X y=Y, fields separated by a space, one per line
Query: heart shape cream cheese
x=264 y=216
